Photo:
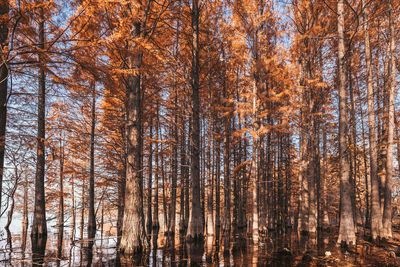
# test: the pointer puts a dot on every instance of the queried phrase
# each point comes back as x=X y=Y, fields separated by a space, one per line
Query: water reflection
x=273 y=249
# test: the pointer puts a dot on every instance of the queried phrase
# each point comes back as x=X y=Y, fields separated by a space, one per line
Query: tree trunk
x=39 y=226
x=182 y=228
x=227 y=174
x=133 y=238
x=387 y=212
x=60 y=222
x=156 y=224
x=174 y=159
x=150 y=183
x=73 y=223
x=25 y=219
x=92 y=216
x=4 y=9
x=324 y=176
x=195 y=227
x=376 y=216
x=346 y=228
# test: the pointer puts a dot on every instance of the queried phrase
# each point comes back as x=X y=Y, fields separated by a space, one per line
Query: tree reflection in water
x=273 y=249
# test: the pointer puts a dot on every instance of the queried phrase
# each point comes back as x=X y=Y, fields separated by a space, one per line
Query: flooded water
x=273 y=250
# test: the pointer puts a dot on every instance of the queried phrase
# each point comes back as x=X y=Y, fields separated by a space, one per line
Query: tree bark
x=387 y=212
x=133 y=238
x=4 y=9
x=195 y=227
x=149 y=222
x=25 y=219
x=92 y=216
x=376 y=216
x=60 y=222
x=346 y=228
x=39 y=226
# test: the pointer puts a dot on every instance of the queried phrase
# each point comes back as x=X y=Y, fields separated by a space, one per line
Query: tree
x=347 y=227
x=195 y=227
x=4 y=20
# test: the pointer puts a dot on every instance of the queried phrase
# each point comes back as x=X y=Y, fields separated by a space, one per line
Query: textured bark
x=4 y=9
x=156 y=224
x=174 y=166
x=387 y=212
x=217 y=187
x=367 y=180
x=149 y=223
x=376 y=216
x=182 y=228
x=73 y=211
x=25 y=219
x=60 y=222
x=303 y=224
x=195 y=227
x=133 y=238
x=227 y=174
x=210 y=222
x=323 y=181
x=39 y=226
x=92 y=216
x=346 y=228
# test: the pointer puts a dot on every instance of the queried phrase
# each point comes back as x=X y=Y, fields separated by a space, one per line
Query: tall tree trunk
x=133 y=238
x=156 y=224
x=217 y=187
x=150 y=184
x=227 y=173
x=324 y=193
x=303 y=224
x=182 y=228
x=346 y=228
x=60 y=222
x=25 y=219
x=376 y=216
x=174 y=169
x=73 y=211
x=39 y=226
x=387 y=212
x=195 y=227
x=92 y=216
x=82 y=222
x=367 y=223
x=4 y=9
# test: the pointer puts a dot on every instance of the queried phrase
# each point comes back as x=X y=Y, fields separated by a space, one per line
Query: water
x=274 y=250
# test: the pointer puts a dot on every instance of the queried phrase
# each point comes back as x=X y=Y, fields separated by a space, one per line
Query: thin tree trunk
x=367 y=181
x=92 y=216
x=376 y=216
x=195 y=227
x=227 y=174
x=174 y=170
x=182 y=228
x=82 y=222
x=73 y=222
x=60 y=223
x=156 y=224
x=387 y=212
x=25 y=219
x=39 y=226
x=346 y=228
x=4 y=9
x=11 y=209
x=150 y=183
